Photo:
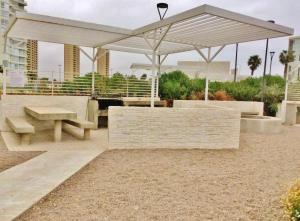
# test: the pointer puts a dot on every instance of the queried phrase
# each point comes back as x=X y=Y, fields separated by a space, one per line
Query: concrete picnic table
x=52 y=113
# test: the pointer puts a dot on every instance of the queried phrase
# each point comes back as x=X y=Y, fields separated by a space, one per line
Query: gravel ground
x=138 y=185
x=9 y=159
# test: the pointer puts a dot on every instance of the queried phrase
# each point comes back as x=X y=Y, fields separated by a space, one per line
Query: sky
x=136 y=13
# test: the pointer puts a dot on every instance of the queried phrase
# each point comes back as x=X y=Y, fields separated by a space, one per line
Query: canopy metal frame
x=201 y=27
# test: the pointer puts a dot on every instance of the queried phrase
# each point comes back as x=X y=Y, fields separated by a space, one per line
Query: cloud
x=136 y=13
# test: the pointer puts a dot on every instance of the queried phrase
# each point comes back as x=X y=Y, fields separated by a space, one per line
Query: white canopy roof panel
x=202 y=27
x=63 y=31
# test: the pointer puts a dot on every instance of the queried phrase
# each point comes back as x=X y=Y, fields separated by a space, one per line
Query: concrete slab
x=25 y=184
x=43 y=141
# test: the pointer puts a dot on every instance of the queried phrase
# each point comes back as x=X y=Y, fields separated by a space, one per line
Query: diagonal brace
x=216 y=54
x=86 y=54
x=162 y=37
x=201 y=54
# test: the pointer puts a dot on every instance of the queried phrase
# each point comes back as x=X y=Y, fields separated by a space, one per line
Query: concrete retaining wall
x=202 y=128
x=261 y=125
x=13 y=105
x=242 y=106
x=288 y=112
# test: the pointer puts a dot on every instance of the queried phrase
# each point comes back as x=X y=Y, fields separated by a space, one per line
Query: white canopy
x=63 y=31
x=202 y=27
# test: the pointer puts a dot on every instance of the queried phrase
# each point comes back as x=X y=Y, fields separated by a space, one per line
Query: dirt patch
x=244 y=184
x=9 y=159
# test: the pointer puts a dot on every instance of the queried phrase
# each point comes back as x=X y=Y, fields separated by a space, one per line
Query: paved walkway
x=23 y=185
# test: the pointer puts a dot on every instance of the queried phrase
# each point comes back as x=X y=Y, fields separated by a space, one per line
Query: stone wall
x=13 y=105
x=201 y=128
x=242 y=106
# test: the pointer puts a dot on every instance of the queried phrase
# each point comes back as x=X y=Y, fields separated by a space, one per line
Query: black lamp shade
x=162 y=7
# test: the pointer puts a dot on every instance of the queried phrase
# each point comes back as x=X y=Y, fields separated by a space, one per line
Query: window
x=4 y=22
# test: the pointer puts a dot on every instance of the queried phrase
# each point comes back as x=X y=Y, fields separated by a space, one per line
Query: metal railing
x=117 y=85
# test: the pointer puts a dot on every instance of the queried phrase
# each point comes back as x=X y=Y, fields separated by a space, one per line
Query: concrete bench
x=22 y=127
x=82 y=124
x=248 y=113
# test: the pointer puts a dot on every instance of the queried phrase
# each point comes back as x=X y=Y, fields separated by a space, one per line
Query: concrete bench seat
x=82 y=124
x=22 y=127
x=250 y=113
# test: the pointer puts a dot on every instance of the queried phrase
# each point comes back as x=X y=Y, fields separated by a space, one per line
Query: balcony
x=21 y=3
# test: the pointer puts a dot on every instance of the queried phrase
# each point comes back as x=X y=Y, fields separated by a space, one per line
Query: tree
x=285 y=58
x=144 y=77
x=253 y=63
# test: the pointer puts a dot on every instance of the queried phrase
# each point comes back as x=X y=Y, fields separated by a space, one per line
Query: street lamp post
x=265 y=64
x=272 y=53
x=162 y=9
x=236 y=57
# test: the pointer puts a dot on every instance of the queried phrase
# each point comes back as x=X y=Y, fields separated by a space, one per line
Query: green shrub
x=174 y=85
x=197 y=85
x=272 y=96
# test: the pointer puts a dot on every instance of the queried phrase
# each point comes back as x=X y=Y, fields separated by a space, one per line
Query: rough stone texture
x=242 y=106
x=13 y=106
x=203 y=128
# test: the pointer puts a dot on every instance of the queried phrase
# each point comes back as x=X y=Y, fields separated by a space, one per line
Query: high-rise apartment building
x=32 y=58
x=71 y=62
x=103 y=62
x=15 y=57
x=294 y=67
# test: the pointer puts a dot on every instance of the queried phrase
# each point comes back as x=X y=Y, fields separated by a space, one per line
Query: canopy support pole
x=208 y=59
x=160 y=62
x=93 y=72
x=4 y=74
x=207 y=73
x=154 y=47
x=153 y=78
x=158 y=75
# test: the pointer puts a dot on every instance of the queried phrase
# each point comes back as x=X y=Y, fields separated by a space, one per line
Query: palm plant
x=253 y=63
x=285 y=58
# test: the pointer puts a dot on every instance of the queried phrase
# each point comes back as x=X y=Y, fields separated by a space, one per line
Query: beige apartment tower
x=32 y=59
x=71 y=62
x=103 y=62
